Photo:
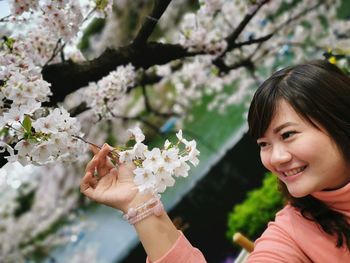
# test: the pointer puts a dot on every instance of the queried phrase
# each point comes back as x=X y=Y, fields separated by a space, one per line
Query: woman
x=300 y=117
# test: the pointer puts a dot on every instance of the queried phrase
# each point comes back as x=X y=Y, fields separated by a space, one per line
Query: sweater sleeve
x=181 y=252
x=277 y=244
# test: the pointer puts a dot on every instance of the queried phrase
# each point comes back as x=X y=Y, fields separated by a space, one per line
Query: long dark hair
x=319 y=92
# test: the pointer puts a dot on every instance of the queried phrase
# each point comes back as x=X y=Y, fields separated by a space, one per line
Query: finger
x=105 y=164
x=104 y=151
x=110 y=153
x=91 y=166
x=85 y=186
x=94 y=149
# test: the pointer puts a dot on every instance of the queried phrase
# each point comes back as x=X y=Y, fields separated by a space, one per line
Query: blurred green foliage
x=96 y=26
x=260 y=206
x=343 y=11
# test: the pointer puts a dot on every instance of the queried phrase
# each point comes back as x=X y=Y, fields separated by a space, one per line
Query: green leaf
x=324 y=22
x=4 y=131
x=27 y=124
x=130 y=143
x=9 y=42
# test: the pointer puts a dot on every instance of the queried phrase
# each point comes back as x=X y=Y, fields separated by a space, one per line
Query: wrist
x=138 y=200
x=138 y=211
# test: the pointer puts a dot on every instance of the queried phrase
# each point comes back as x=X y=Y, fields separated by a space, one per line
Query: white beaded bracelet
x=152 y=207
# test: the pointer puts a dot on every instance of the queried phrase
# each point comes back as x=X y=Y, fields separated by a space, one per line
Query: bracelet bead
x=152 y=206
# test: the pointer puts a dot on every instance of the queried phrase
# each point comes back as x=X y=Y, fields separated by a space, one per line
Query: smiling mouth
x=294 y=171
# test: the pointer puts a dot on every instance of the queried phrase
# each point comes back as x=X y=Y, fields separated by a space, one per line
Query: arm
x=157 y=234
x=115 y=187
x=276 y=245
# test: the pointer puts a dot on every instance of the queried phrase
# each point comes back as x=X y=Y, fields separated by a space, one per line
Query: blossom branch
x=5 y=18
x=253 y=41
x=231 y=39
x=68 y=76
x=248 y=62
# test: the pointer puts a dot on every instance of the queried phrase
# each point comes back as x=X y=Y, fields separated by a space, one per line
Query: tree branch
x=151 y=22
x=248 y=62
x=231 y=39
x=252 y=41
x=68 y=76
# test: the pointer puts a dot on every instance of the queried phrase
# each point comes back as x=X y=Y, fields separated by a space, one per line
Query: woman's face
x=305 y=158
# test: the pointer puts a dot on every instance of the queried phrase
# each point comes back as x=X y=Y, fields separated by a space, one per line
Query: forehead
x=284 y=113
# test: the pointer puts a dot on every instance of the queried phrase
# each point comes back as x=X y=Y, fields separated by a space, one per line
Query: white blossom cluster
x=199 y=32
x=57 y=8
x=156 y=167
x=42 y=139
x=104 y=95
x=18 y=7
x=197 y=78
x=207 y=29
x=50 y=138
x=23 y=88
x=61 y=18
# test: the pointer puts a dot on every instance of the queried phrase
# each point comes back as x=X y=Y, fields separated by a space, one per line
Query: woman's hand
x=104 y=183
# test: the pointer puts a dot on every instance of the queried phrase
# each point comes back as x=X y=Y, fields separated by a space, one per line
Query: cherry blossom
x=156 y=167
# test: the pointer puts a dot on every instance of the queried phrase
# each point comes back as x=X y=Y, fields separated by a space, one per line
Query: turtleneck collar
x=338 y=199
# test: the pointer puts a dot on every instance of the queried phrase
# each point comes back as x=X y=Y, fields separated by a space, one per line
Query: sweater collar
x=338 y=199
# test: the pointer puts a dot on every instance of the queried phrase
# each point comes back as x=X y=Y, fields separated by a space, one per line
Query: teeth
x=294 y=171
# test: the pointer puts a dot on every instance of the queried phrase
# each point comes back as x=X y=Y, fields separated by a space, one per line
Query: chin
x=297 y=194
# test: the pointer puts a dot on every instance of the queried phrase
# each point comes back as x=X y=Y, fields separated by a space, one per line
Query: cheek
x=265 y=157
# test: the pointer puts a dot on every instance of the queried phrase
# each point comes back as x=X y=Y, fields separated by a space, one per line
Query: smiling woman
x=300 y=117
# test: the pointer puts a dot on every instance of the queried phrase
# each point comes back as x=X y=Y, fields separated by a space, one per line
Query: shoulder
x=288 y=213
x=278 y=242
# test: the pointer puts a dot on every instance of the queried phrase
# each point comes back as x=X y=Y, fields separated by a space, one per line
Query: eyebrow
x=279 y=128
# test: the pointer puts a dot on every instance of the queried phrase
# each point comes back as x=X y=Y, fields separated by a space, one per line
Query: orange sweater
x=290 y=238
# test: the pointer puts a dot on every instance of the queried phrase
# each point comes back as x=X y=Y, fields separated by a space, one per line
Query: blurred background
x=197 y=65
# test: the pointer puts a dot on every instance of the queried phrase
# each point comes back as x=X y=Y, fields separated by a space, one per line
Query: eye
x=288 y=134
x=262 y=144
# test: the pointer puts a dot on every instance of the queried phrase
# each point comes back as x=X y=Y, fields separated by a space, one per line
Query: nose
x=279 y=155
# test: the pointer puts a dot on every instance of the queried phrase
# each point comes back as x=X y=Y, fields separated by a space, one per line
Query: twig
x=56 y=50
x=235 y=34
x=5 y=18
x=113 y=153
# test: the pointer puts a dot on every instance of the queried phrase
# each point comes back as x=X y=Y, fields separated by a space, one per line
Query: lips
x=294 y=171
